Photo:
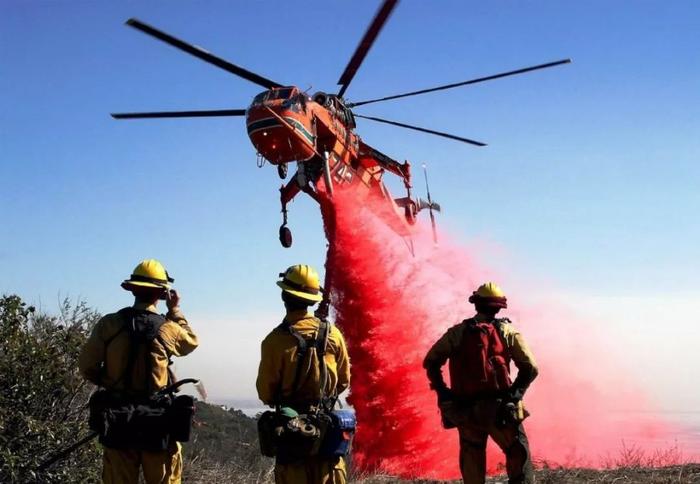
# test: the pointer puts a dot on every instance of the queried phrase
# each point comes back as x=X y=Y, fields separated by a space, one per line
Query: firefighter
x=293 y=384
x=482 y=400
x=106 y=359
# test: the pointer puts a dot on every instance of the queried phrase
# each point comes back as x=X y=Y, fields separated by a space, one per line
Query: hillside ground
x=224 y=448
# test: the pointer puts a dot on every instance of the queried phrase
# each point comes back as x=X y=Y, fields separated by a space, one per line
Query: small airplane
x=317 y=132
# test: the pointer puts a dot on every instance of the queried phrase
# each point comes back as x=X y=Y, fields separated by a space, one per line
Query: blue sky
x=589 y=180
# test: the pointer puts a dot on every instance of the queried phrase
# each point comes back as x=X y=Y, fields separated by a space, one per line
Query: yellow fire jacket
x=451 y=342
x=104 y=363
x=278 y=364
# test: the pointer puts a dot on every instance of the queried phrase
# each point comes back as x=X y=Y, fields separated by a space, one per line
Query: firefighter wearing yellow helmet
x=302 y=359
x=483 y=401
x=301 y=282
x=127 y=355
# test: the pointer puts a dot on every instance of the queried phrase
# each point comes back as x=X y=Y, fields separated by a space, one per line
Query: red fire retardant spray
x=392 y=305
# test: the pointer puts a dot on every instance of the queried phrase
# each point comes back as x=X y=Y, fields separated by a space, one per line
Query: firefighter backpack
x=484 y=358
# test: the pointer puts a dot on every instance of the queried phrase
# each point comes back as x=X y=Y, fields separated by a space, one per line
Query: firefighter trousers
x=123 y=466
x=512 y=441
x=312 y=470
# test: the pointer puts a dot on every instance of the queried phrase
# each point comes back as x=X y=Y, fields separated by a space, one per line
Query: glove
x=507 y=414
x=446 y=405
x=515 y=394
x=444 y=394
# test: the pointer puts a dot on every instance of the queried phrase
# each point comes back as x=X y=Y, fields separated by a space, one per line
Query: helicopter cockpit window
x=349 y=119
x=296 y=102
x=260 y=97
x=282 y=93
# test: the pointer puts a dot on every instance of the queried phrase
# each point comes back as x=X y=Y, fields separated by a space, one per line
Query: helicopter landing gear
x=282 y=170
x=285 y=233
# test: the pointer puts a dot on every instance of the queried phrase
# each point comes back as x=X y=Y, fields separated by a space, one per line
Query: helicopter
x=318 y=132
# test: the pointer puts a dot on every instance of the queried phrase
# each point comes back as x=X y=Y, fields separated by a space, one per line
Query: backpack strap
x=320 y=343
x=134 y=345
x=138 y=340
x=302 y=348
x=470 y=325
x=498 y=324
x=157 y=321
x=321 y=346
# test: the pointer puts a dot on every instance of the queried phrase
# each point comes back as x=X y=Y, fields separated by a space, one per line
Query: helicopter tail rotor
x=423 y=204
x=429 y=204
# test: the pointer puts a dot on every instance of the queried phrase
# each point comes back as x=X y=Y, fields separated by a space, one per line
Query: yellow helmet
x=301 y=281
x=490 y=294
x=149 y=273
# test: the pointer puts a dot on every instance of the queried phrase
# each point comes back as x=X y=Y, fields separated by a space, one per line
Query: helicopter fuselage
x=317 y=132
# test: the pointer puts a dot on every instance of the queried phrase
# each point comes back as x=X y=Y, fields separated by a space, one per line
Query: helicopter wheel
x=282 y=170
x=285 y=237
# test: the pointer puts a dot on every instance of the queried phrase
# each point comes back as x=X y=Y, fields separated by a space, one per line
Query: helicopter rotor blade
x=181 y=114
x=202 y=54
x=365 y=44
x=424 y=130
x=464 y=83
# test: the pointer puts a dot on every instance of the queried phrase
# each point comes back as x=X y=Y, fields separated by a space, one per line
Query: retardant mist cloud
x=392 y=306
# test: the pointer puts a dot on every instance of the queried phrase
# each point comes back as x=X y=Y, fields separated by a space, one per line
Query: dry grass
x=687 y=473
x=208 y=472
x=205 y=471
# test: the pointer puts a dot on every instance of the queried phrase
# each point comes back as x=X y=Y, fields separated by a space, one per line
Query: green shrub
x=43 y=398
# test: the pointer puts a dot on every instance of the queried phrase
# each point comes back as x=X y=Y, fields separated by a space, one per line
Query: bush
x=43 y=398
